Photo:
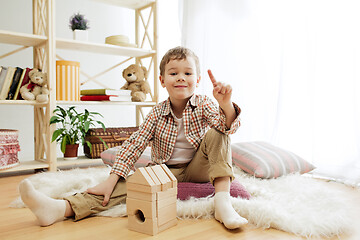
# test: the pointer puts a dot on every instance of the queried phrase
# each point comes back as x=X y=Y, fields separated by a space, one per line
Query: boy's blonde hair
x=179 y=53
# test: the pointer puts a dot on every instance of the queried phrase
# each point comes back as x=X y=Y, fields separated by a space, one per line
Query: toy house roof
x=157 y=178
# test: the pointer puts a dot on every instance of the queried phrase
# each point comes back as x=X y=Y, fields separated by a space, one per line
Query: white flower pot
x=80 y=35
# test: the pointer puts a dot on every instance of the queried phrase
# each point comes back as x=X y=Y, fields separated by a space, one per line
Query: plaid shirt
x=160 y=128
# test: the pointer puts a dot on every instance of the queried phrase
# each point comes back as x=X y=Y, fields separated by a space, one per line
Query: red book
x=114 y=98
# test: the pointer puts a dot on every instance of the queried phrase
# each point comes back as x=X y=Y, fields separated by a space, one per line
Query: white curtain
x=295 y=70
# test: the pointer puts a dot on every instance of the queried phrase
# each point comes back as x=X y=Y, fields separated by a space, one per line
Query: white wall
x=105 y=20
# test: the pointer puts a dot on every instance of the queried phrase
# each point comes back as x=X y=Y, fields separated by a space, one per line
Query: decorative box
x=9 y=148
x=67 y=80
x=112 y=137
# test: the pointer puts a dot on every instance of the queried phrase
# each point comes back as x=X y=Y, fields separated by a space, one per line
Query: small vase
x=80 y=35
x=71 y=151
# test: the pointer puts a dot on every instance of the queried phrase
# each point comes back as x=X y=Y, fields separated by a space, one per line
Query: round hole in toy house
x=140 y=216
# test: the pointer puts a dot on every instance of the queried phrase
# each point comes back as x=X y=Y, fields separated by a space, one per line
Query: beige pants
x=212 y=160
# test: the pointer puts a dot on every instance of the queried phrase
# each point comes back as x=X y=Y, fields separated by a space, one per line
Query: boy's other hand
x=222 y=92
x=105 y=188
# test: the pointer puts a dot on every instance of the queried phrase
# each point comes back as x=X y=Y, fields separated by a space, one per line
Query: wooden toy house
x=151 y=199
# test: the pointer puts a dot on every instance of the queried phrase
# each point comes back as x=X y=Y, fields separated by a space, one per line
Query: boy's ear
x=162 y=81
x=198 y=81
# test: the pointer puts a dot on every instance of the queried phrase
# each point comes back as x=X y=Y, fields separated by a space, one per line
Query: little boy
x=178 y=131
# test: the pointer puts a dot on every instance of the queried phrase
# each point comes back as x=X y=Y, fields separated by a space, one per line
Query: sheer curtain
x=295 y=70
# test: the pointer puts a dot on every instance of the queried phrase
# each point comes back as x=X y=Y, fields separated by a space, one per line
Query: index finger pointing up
x=212 y=78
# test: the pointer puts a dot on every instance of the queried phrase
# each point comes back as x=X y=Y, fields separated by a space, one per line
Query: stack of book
x=11 y=80
x=119 y=95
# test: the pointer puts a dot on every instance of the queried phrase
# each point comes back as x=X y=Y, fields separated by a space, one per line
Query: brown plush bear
x=135 y=81
x=36 y=88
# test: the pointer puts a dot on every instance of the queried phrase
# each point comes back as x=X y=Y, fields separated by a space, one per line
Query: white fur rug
x=293 y=203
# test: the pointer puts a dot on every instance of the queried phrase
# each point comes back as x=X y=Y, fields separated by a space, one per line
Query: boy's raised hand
x=222 y=92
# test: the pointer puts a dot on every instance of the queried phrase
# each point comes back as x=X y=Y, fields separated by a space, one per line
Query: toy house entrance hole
x=140 y=216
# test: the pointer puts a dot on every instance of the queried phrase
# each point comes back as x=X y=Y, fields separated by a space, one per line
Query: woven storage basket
x=112 y=136
x=9 y=148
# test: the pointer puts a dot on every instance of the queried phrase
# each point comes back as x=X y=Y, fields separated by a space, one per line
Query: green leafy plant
x=73 y=126
x=78 y=21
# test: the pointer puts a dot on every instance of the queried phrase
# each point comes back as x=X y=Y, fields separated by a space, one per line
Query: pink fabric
x=264 y=160
x=9 y=161
x=199 y=190
x=108 y=157
x=9 y=148
x=8 y=136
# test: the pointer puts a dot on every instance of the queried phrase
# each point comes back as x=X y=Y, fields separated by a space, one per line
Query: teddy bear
x=135 y=81
x=36 y=88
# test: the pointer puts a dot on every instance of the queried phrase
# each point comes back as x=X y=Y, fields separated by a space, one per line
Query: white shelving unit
x=44 y=44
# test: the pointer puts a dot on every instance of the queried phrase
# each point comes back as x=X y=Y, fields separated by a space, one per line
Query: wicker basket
x=9 y=148
x=112 y=136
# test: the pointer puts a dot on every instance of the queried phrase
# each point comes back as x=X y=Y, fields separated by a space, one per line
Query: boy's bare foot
x=225 y=213
x=46 y=209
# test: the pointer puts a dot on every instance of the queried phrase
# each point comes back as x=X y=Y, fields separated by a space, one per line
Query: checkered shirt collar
x=166 y=108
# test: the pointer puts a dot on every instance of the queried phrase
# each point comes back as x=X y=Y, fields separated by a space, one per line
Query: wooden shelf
x=23 y=39
x=22 y=102
x=102 y=48
x=34 y=103
x=27 y=165
x=105 y=102
x=132 y=4
x=32 y=165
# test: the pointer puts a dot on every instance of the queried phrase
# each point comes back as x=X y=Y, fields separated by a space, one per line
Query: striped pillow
x=264 y=160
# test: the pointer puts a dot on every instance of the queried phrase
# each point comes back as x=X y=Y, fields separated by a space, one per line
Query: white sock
x=46 y=209
x=225 y=213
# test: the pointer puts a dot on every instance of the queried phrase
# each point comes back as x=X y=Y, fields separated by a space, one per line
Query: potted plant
x=78 y=24
x=72 y=130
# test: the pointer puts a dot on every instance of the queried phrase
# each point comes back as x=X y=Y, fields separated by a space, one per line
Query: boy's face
x=180 y=79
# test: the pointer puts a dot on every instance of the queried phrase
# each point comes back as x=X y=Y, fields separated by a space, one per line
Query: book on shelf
x=14 y=83
x=8 y=80
x=19 y=85
x=23 y=81
x=104 y=91
x=114 y=98
x=3 y=72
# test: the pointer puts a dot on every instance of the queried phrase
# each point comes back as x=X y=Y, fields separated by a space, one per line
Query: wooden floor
x=21 y=224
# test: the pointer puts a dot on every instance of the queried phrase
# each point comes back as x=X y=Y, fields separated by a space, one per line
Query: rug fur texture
x=293 y=203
